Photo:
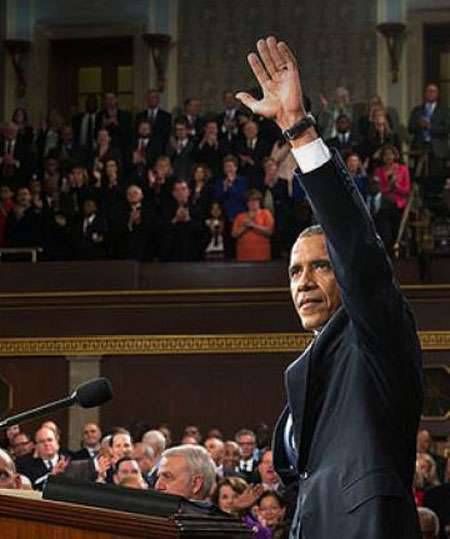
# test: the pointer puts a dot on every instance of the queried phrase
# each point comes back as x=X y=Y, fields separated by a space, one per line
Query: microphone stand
x=39 y=411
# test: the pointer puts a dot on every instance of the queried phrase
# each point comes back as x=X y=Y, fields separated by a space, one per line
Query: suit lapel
x=296 y=375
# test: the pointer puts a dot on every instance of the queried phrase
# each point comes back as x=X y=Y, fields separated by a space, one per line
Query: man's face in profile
x=174 y=477
x=314 y=288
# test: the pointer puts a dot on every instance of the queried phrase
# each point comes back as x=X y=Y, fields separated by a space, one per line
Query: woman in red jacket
x=393 y=177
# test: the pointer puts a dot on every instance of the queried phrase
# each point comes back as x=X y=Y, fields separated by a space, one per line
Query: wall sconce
x=393 y=32
x=159 y=45
x=17 y=50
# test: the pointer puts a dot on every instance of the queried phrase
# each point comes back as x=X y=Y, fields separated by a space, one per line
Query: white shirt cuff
x=312 y=155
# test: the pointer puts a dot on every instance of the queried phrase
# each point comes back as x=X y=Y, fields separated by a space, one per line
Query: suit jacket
x=440 y=124
x=161 y=126
x=355 y=394
x=35 y=469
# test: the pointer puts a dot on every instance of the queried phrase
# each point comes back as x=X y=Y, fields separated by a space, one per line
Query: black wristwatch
x=299 y=128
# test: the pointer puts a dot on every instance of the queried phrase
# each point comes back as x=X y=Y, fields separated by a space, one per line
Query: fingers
x=248 y=101
x=287 y=55
x=266 y=57
x=277 y=58
x=258 y=69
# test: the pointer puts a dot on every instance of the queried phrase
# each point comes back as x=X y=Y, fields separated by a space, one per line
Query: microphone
x=87 y=395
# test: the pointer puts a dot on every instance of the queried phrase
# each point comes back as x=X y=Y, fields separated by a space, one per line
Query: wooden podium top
x=23 y=515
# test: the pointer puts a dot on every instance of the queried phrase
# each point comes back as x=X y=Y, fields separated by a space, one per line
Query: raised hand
x=277 y=73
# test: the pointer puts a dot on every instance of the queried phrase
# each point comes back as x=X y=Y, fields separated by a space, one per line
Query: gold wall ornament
x=130 y=345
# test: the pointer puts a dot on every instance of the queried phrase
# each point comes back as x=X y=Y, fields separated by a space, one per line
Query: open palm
x=278 y=76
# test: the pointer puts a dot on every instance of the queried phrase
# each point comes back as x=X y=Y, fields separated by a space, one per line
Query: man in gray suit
x=429 y=126
x=348 y=434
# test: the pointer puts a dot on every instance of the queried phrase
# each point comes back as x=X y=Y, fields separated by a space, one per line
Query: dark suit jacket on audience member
x=351 y=389
x=84 y=244
x=440 y=124
x=161 y=127
x=182 y=242
x=254 y=173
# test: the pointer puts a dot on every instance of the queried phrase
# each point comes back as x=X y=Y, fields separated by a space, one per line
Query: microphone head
x=94 y=392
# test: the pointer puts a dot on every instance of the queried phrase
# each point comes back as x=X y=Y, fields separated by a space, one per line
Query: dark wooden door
x=437 y=58
x=79 y=67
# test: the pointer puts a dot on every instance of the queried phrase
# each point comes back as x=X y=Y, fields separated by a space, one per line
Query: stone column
x=81 y=369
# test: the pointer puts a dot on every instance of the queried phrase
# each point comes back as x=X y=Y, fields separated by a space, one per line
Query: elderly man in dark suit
x=347 y=435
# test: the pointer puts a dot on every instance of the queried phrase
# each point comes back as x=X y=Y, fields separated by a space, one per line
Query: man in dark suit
x=49 y=460
x=252 y=149
x=116 y=121
x=344 y=141
x=182 y=231
x=180 y=150
x=160 y=119
x=92 y=436
x=348 y=434
x=84 y=124
x=15 y=158
x=145 y=151
x=429 y=124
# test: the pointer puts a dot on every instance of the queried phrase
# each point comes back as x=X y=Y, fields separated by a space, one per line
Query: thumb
x=249 y=101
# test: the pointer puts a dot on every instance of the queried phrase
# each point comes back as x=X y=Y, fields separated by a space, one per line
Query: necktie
x=90 y=131
x=49 y=465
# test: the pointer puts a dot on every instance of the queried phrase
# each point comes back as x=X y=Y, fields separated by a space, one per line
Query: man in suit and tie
x=344 y=140
x=92 y=436
x=160 y=119
x=145 y=151
x=429 y=124
x=252 y=149
x=348 y=434
x=248 y=464
x=49 y=459
x=84 y=124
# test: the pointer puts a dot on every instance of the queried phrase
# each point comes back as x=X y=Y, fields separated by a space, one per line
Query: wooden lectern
x=25 y=517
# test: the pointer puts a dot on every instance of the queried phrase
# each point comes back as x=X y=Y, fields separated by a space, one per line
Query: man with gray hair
x=156 y=441
x=186 y=470
x=9 y=478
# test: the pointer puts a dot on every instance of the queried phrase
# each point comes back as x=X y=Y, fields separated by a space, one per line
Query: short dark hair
x=272 y=494
x=119 y=462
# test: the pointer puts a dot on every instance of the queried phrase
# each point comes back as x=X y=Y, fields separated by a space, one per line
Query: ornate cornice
x=129 y=345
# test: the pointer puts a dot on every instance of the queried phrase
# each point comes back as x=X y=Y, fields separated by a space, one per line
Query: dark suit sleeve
x=369 y=292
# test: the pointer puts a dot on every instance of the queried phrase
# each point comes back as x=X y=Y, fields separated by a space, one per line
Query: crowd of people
x=189 y=186
x=237 y=475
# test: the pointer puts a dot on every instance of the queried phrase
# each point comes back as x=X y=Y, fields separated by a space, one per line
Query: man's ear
x=197 y=484
x=17 y=481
